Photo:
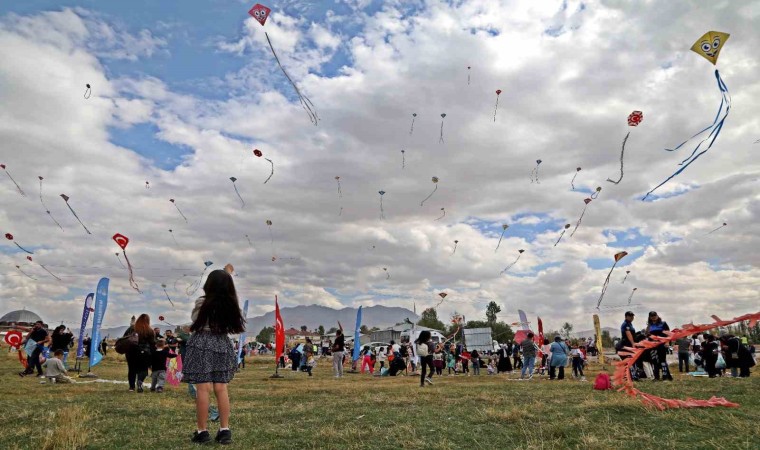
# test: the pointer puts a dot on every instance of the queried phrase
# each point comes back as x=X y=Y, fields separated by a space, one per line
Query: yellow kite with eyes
x=709 y=45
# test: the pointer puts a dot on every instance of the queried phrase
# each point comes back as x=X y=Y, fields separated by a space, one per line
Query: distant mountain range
x=312 y=317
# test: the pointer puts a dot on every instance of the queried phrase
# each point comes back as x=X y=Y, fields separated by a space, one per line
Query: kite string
x=579 y=221
x=20 y=191
x=440 y=139
x=622 y=152
x=572 y=182
x=560 y=237
x=305 y=102
x=47 y=210
x=180 y=212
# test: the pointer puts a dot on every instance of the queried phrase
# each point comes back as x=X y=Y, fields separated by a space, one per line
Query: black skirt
x=209 y=358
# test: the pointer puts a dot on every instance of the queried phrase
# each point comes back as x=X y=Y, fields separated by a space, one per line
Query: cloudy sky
x=181 y=97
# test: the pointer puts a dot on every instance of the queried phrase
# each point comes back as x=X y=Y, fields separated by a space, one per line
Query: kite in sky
x=496 y=108
x=630 y=297
x=572 y=182
x=713 y=231
x=596 y=193
x=382 y=211
x=119 y=259
x=411 y=129
x=577 y=224
x=567 y=225
x=249 y=241
x=10 y=238
x=435 y=181
x=519 y=254
x=261 y=13
x=440 y=139
x=503 y=230
x=163 y=286
x=258 y=154
x=122 y=241
x=340 y=192
x=47 y=210
x=708 y=46
x=177 y=281
x=455 y=246
x=271 y=239
x=387 y=274
x=468 y=75
x=147 y=185
x=87 y=91
x=634 y=119
x=403 y=159
x=626 y=276
x=242 y=202
x=618 y=256
x=173 y=238
x=443 y=214
x=18 y=188
x=534 y=172
x=443 y=296
x=44 y=268
x=178 y=210
x=193 y=288
x=66 y=199
x=20 y=270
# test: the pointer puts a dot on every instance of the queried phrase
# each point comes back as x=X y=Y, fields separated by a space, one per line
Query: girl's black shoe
x=224 y=437
x=201 y=438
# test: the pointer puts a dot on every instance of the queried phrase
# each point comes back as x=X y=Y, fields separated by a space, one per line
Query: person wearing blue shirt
x=627 y=333
x=559 y=351
x=657 y=327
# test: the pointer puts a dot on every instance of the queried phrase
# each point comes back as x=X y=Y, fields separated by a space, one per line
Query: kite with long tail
x=122 y=241
x=618 y=256
x=596 y=193
x=534 y=173
x=625 y=367
x=572 y=181
x=45 y=269
x=387 y=274
x=708 y=46
x=713 y=231
x=577 y=224
x=382 y=211
x=47 y=210
x=496 y=108
x=178 y=210
x=173 y=238
x=193 y=287
x=567 y=225
x=468 y=75
x=20 y=270
x=503 y=230
x=242 y=202
x=10 y=238
x=259 y=154
x=443 y=214
x=435 y=181
x=87 y=91
x=411 y=130
x=440 y=139
x=630 y=297
x=456 y=242
x=261 y=13
x=271 y=239
x=443 y=296
x=163 y=286
x=18 y=188
x=626 y=276
x=403 y=158
x=634 y=119
x=519 y=254
x=66 y=199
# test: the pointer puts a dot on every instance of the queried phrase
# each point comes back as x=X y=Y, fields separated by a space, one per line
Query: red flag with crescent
x=279 y=332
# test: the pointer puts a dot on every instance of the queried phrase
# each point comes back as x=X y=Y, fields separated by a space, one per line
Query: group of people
x=149 y=350
x=711 y=355
x=48 y=352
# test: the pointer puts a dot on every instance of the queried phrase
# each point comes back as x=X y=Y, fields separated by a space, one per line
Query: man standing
x=171 y=341
x=627 y=331
x=157 y=332
x=38 y=335
x=684 y=344
x=528 y=348
x=337 y=349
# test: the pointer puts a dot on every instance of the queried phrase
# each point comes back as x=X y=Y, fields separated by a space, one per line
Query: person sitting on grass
x=158 y=366
x=491 y=368
x=55 y=372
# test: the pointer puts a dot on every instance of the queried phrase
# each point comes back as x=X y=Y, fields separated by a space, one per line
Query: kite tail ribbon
x=22 y=248
x=132 y=282
x=411 y=130
x=20 y=191
x=77 y=217
x=605 y=285
x=440 y=139
x=513 y=263
x=572 y=182
x=51 y=273
x=622 y=152
x=242 y=202
x=29 y=276
x=168 y=298
x=272 y=172
x=431 y=194
x=560 y=237
x=579 y=221
x=307 y=105
x=499 y=243
x=714 y=128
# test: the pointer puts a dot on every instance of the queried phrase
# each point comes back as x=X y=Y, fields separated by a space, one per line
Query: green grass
x=378 y=413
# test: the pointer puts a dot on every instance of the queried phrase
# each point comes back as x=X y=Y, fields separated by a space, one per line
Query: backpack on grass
x=602 y=382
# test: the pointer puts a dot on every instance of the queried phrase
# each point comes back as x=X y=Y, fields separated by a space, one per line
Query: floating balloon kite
x=708 y=46
x=261 y=13
x=18 y=188
x=47 y=210
x=503 y=230
x=572 y=182
x=193 y=288
x=29 y=258
x=626 y=276
x=10 y=238
x=435 y=181
x=498 y=93
x=630 y=297
x=242 y=202
x=258 y=154
x=713 y=231
x=163 y=286
x=411 y=129
x=534 y=172
x=618 y=256
x=519 y=254
x=577 y=224
x=87 y=91
x=20 y=270
x=634 y=119
x=178 y=210
x=382 y=211
x=567 y=225
x=595 y=194
x=122 y=241
x=440 y=140
x=66 y=199
x=455 y=246
x=443 y=214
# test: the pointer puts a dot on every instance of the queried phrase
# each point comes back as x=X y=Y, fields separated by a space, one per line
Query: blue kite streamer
x=714 y=129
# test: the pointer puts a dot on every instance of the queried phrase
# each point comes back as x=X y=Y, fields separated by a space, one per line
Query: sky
x=180 y=98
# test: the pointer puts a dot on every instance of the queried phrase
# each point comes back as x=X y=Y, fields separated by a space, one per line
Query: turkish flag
x=279 y=332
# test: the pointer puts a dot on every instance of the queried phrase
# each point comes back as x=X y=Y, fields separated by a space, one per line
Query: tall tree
x=429 y=319
x=265 y=335
x=321 y=330
x=491 y=311
x=364 y=329
x=304 y=328
x=567 y=328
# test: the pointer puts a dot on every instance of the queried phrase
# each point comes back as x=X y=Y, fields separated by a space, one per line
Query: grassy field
x=374 y=413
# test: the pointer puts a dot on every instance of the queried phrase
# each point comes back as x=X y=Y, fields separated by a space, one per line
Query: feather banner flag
x=357 y=335
x=101 y=302
x=83 y=325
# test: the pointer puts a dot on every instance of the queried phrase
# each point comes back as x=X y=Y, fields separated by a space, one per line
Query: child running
x=158 y=366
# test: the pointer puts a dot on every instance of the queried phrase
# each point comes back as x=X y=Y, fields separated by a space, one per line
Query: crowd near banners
x=241 y=339
x=83 y=326
x=598 y=332
x=101 y=302
x=357 y=334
